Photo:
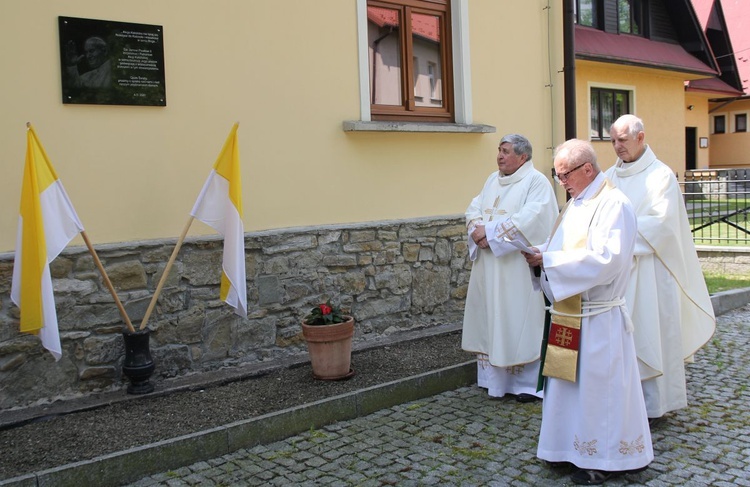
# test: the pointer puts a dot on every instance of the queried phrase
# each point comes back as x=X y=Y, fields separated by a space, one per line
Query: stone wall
x=728 y=261
x=391 y=276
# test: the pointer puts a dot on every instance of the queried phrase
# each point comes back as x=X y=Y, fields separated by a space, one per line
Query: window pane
x=621 y=104
x=636 y=14
x=608 y=113
x=426 y=45
x=595 y=120
x=740 y=123
x=587 y=12
x=719 y=124
x=385 y=55
x=623 y=15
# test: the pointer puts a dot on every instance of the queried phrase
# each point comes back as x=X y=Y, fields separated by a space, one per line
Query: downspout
x=569 y=71
x=569 y=68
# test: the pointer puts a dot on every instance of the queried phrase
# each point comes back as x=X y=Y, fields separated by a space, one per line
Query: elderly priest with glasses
x=594 y=419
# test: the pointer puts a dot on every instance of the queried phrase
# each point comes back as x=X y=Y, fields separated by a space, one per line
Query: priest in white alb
x=504 y=316
x=667 y=296
x=593 y=417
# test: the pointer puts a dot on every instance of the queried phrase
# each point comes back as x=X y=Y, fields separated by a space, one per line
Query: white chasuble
x=667 y=295
x=599 y=422
x=504 y=316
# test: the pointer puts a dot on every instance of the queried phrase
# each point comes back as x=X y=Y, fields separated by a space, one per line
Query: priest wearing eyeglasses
x=593 y=418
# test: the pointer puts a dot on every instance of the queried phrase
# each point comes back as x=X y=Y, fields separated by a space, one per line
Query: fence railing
x=718 y=204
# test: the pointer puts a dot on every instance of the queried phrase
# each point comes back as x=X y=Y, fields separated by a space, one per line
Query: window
x=720 y=124
x=740 y=122
x=587 y=13
x=607 y=105
x=630 y=16
x=410 y=62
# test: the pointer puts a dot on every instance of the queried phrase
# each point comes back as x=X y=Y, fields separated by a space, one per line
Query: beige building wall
x=732 y=148
x=658 y=99
x=287 y=70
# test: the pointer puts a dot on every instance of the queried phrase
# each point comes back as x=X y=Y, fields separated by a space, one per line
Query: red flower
x=325 y=309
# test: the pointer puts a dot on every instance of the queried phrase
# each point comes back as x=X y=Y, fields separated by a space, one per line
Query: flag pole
x=107 y=282
x=165 y=274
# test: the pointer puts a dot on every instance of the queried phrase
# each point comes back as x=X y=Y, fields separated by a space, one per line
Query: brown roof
x=713 y=85
x=597 y=45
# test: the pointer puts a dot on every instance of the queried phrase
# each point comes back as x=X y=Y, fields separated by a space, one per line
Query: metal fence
x=718 y=203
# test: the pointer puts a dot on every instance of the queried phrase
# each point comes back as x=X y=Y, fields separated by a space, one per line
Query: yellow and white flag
x=48 y=222
x=219 y=206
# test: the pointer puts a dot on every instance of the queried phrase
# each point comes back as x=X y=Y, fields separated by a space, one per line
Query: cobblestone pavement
x=464 y=438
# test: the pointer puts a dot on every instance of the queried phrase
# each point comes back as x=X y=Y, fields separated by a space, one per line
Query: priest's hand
x=479 y=236
x=535 y=259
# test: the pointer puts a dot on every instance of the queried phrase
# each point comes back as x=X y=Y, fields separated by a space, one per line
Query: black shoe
x=593 y=477
x=654 y=422
x=524 y=398
x=560 y=465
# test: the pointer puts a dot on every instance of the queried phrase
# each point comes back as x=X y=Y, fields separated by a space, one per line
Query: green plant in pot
x=328 y=333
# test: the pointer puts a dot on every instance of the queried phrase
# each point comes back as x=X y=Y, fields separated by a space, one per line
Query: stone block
x=73 y=286
x=203 y=268
x=269 y=290
x=103 y=349
x=127 y=275
x=292 y=244
x=89 y=373
x=431 y=288
x=184 y=328
x=61 y=267
x=171 y=360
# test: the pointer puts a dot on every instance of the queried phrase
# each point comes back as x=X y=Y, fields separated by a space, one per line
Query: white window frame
x=461 y=62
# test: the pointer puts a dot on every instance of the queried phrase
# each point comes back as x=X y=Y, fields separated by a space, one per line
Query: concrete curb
x=135 y=463
x=729 y=300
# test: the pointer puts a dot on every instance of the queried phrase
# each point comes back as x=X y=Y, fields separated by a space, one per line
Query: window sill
x=360 y=126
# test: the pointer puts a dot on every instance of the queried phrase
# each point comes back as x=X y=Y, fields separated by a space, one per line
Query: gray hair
x=633 y=124
x=520 y=144
x=579 y=152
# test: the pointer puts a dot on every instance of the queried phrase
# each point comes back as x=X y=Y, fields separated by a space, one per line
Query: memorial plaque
x=111 y=63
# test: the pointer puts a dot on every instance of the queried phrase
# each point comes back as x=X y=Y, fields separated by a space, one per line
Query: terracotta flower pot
x=330 y=349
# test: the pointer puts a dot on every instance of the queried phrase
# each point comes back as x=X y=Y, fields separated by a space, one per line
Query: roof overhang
x=596 y=45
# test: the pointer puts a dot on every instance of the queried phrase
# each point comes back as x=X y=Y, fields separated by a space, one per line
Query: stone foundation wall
x=391 y=276
x=730 y=261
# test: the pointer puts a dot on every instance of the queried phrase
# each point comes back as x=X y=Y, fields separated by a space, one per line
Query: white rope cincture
x=593 y=308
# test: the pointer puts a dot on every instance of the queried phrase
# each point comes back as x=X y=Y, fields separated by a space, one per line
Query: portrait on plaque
x=104 y=62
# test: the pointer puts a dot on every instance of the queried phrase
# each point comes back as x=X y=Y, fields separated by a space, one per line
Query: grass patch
x=717 y=283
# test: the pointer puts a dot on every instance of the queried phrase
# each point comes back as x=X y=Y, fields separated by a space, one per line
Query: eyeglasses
x=563 y=176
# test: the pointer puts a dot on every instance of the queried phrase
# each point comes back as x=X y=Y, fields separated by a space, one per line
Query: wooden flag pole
x=107 y=282
x=165 y=274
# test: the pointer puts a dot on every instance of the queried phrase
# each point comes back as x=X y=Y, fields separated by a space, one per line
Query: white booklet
x=519 y=245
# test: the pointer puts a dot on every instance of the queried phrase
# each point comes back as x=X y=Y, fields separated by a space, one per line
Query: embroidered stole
x=562 y=336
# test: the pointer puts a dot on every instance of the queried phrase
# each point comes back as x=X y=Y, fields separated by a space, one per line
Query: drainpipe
x=569 y=72
x=569 y=68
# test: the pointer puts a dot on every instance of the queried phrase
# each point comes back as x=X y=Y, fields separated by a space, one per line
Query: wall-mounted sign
x=111 y=63
x=703 y=142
